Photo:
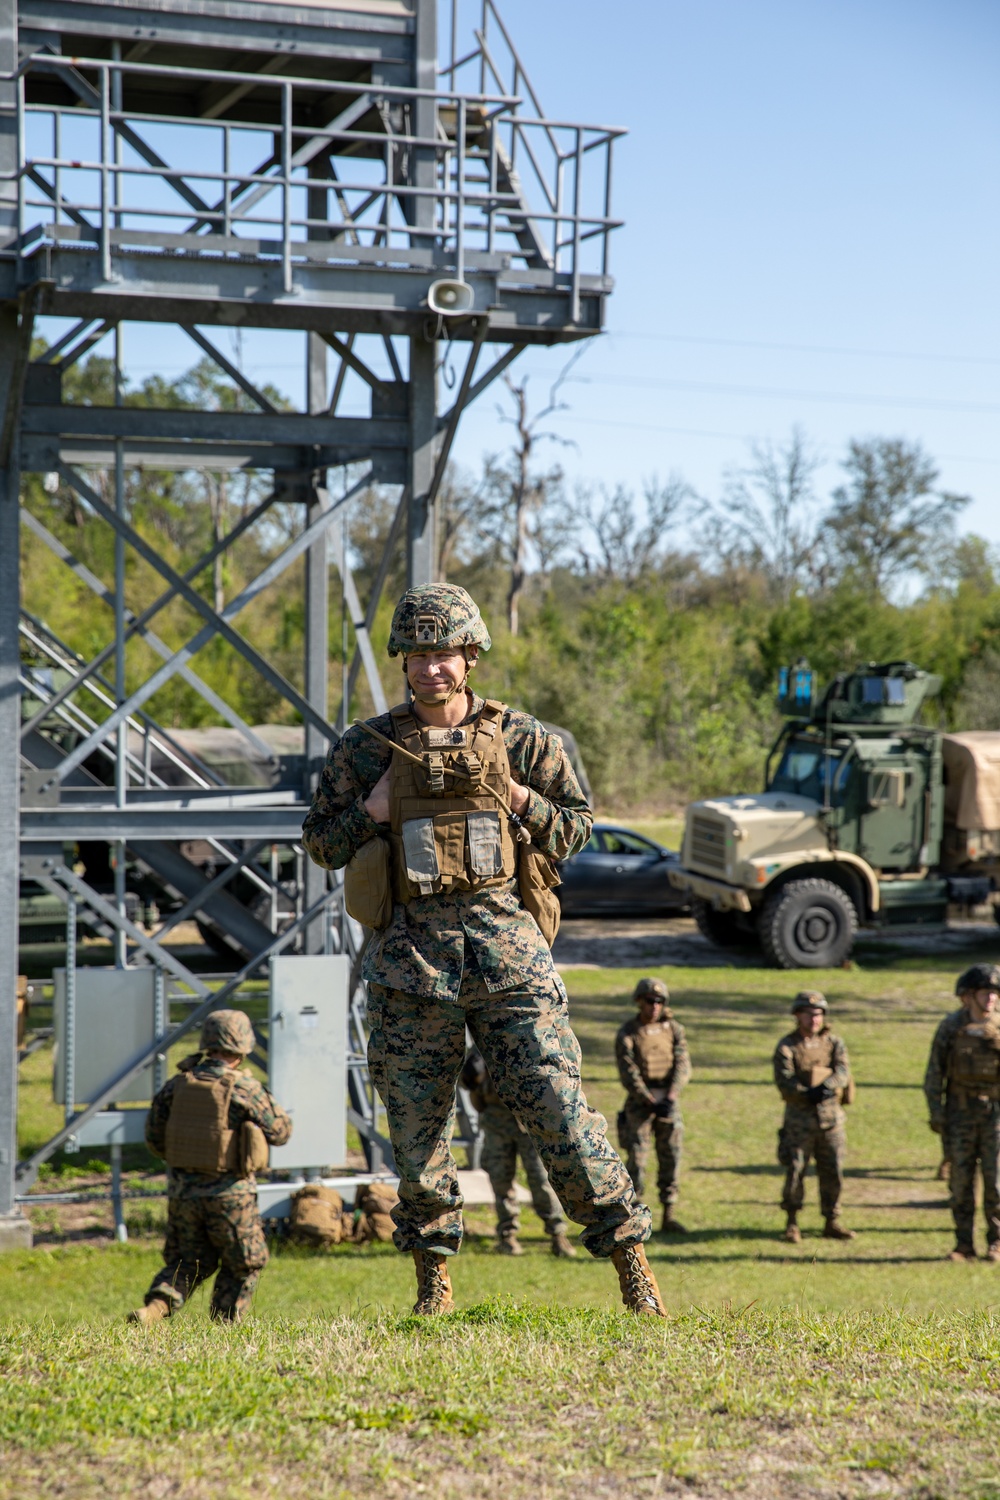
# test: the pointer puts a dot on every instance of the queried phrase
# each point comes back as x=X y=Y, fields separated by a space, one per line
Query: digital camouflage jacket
x=794 y=1091
x=250 y=1101
x=422 y=949
x=630 y=1066
x=939 y=1064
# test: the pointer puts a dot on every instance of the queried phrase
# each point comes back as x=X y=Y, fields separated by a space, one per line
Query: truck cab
x=848 y=831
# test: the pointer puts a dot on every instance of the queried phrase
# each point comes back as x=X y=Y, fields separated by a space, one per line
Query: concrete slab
x=15 y=1232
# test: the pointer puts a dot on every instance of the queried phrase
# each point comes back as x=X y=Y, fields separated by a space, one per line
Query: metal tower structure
x=324 y=167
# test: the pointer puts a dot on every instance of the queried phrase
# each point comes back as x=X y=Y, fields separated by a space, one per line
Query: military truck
x=867 y=818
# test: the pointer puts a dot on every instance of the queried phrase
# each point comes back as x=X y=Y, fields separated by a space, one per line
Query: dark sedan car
x=622 y=873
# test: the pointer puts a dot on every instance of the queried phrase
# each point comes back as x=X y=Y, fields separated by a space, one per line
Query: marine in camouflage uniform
x=504 y=1144
x=653 y=1065
x=811 y=1071
x=212 y=1218
x=469 y=953
x=962 y=1086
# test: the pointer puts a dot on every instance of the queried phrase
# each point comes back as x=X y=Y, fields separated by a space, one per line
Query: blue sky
x=811 y=196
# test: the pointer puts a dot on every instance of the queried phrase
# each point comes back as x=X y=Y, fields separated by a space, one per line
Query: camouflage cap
x=437 y=617
x=979 y=977
x=806 y=999
x=227 y=1031
x=651 y=989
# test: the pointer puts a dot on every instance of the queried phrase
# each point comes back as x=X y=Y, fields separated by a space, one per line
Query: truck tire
x=723 y=928
x=808 y=924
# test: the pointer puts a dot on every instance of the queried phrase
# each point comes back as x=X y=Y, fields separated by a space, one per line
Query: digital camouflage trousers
x=416 y=1048
x=504 y=1142
x=208 y=1233
x=639 y=1129
x=972 y=1131
x=800 y=1138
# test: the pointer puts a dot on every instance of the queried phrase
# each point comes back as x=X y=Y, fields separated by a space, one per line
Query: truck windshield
x=809 y=770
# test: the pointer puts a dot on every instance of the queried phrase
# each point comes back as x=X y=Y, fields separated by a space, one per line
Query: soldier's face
x=650 y=1009
x=435 y=675
x=811 y=1020
x=986 y=1001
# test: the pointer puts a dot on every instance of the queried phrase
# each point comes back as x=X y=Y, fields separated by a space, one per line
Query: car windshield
x=810 y=770
x=617 y=841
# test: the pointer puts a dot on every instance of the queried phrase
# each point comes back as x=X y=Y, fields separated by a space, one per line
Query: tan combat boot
x=509 y=1244
x=640 y=1293
x=561 y=1247
x=961 y=1253
x=793 y=1234
x=834 y=1230
x=433 y=1284
x=993 y=1251
x=154 y=1310
x=944 y=1171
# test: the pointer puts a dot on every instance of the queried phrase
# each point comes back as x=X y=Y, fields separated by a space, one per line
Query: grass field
x=826 y=1370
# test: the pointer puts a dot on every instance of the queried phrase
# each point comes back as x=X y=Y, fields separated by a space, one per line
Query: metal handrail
x=471 y=207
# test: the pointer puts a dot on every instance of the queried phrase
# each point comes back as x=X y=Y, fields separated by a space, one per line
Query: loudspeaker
x=450 y=298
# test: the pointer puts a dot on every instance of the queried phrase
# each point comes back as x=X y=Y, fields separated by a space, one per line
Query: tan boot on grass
x=793 y=1234
x=640 y=1293
x=433 y=1284
x=561 y=1247
x=509 y=1244
x=153 y=1311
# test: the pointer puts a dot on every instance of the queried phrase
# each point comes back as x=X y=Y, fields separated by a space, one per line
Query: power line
x=683 y=338
x=740 y=437
x=916 y=403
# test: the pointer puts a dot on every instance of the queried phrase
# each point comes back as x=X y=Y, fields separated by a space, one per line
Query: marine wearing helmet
x=450 y=813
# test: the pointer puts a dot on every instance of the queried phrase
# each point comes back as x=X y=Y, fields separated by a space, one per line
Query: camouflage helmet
x=809 y=999
x=651 y=989
x=979 y=977
x=227 y=1031
x=437 y=617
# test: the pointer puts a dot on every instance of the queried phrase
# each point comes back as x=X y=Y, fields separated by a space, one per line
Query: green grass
x=866 y=1369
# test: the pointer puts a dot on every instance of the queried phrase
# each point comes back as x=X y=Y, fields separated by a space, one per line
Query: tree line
x=652 y=625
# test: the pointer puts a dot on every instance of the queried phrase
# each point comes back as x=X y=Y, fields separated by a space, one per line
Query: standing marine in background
x=654 y=1066
x=428 y=807
x=813 y=1076
x=212 y=1123
x=962 y=1085
x=504 y=1143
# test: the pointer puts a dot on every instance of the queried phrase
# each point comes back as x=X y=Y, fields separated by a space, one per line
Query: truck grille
x=708 y=843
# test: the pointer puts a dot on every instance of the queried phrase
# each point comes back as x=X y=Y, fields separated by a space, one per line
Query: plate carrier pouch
x=368 y=886
x=317 y=1216
x=814 y=1064
x=448 y=833
x=198 y=1135
x=537 y=879
x=654 y=1046
x=256 y=1151
x=974 y=1066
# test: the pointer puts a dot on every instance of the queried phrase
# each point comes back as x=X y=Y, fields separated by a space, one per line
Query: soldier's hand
x=377 y=801
x=519 y=796
x=663 y=1109
x=821 y=1092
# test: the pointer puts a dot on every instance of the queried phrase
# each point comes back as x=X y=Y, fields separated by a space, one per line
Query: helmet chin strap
x=441 y=697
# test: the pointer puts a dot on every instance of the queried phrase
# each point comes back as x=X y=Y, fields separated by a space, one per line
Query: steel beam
x=421 y=538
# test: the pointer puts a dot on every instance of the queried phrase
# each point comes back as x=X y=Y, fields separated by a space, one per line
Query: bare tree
x=888 y=519
x=513 y=491
x=767 y=520
x=630 y=544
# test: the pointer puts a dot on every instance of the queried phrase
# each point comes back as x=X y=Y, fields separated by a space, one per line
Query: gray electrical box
x=307 y=1056
x=114 y=1022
